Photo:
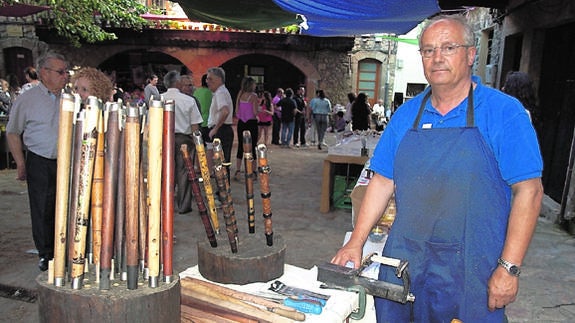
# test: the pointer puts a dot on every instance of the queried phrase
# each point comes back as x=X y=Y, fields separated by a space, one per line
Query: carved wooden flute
x=75 y=178
x=207 y=183
x=197 y=193
x=168 y=188
x=97 y=196
x=266 y=194
x=249 y=182
x=224 y=194
x=112 y=137
x=88 y=151
x=132 y=180
x=65 y=129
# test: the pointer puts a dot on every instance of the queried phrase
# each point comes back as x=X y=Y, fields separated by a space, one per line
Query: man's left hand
x=502 y=289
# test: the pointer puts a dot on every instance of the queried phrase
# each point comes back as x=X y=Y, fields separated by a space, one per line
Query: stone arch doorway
x=130 y=69
x=269 y=71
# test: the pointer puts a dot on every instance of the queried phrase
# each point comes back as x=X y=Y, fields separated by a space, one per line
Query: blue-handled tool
x=303 y=306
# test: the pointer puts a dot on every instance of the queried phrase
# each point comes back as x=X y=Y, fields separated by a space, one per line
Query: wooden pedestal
x=118 y=304
x=254 y=262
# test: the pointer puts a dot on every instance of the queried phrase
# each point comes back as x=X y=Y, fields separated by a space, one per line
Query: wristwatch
x=511 y=268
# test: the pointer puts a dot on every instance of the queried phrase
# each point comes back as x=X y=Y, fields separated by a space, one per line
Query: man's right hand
x=21 y=173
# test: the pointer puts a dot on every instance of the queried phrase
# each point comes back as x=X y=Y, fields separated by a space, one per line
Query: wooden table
x=328 y=174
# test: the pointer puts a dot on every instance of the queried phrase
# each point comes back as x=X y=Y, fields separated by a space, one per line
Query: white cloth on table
x=339 y=306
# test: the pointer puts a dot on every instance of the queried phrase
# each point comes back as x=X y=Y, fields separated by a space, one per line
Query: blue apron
x=452 y=211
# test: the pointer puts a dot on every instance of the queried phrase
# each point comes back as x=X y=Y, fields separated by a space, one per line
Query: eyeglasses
x=445 y=50
x=61 y=72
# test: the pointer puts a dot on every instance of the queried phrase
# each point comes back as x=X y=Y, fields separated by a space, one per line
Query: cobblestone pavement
x=547 y=290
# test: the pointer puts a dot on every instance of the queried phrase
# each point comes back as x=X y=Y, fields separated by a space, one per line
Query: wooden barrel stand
x=118 y=304
x=254 y=262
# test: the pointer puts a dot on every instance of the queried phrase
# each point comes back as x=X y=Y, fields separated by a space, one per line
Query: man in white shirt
x=187 y=120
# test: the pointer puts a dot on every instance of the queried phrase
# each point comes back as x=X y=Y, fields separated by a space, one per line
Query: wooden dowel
x=155 y=117
x=65 y=130
x=168 y=184
x=132 y=180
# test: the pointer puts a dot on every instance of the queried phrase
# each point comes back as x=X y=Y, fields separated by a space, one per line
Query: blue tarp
x=356 y=17
x=324 y=17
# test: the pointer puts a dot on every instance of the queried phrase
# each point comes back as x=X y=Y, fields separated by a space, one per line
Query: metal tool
x=344 y=277
x=284 y=289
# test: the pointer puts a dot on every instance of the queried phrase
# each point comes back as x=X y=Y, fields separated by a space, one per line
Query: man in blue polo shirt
x=466 y=168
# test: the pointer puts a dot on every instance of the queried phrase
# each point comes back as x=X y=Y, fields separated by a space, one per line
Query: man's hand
x=346 y=254
x=21 y=173
x=502 y=289
x=212 y=133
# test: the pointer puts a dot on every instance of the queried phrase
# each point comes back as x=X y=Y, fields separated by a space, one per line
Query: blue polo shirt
x=501 y=119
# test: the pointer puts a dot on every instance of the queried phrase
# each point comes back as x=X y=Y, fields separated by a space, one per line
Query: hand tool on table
x=301 y=299
x=333 y=275
x=300 y=303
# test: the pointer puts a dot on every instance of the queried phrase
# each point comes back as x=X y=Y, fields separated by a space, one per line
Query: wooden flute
x=266 y=194
x=197 y=193
x=155 y=121
x=65 y=129
x=225 y=195
x=97 y=196
x=168 y=188
x=88 y=150
x=249 y=182
x=132 y=180
x=207 y=183
x=112 y=137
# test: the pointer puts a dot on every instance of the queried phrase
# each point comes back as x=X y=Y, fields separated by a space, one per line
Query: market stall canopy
x=356 y=17
x=325 y=17
x=239 y=14
x=20 y=10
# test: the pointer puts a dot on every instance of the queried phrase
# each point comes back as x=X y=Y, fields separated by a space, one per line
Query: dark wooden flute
x=155 y=121
x=65 y=130
x=132 y=180
x=119 y=228
x=266 y=194
x=143 y=221
x=197 y=193
x=224 y=194
x=113 y=123
x=249 y=182
x=92 y=113
x=207 y=183
x=168 y=188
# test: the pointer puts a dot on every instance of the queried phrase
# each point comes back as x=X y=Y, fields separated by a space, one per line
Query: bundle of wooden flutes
x=115 y=192
x=115 y=187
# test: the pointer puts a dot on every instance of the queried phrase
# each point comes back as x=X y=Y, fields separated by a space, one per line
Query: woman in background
x=89 y=81
x=265 y=116
x=360 y=113
x=246 y=112
x=520 y=86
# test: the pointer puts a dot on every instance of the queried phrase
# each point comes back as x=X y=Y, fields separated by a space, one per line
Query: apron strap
x=470 y=109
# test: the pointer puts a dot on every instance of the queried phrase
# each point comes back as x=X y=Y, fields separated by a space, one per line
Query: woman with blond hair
x=246 y=112
x=89 y=81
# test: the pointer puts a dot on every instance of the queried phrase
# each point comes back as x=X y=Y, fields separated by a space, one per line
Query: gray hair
x=219 y=72
x=46 y=57
x=171 y=79
x=468 y=34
